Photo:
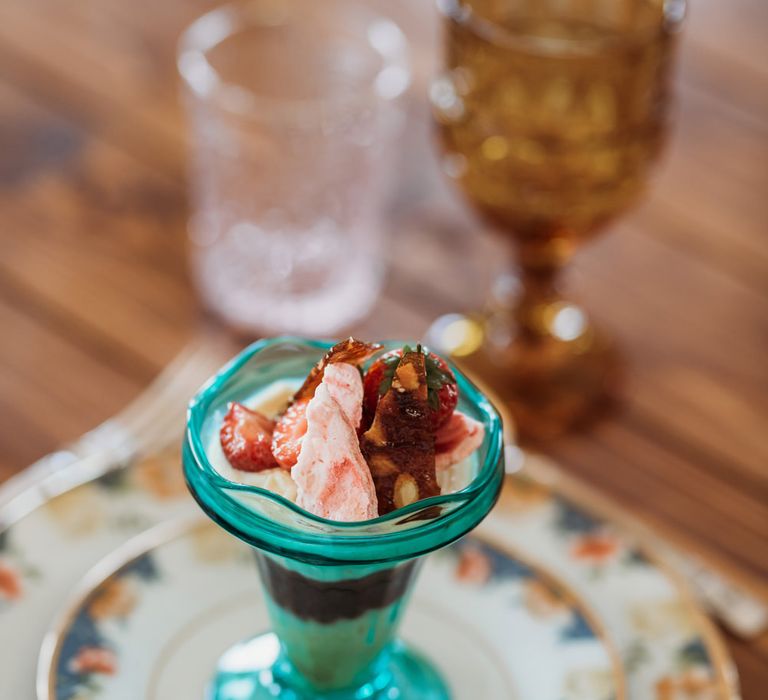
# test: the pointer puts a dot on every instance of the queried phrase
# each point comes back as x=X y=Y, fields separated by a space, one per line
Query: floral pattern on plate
x=45 y=553
x=510 y=606
x=668 y=649
x=16 y=573
x=87 y=653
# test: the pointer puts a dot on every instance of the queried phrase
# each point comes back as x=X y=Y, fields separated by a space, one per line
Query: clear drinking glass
x=335 y=591
x=293 y=108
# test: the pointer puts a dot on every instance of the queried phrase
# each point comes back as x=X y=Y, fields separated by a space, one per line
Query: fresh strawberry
x=374 y=384
x=246 y=438
x=443 y=392
x=289 y=431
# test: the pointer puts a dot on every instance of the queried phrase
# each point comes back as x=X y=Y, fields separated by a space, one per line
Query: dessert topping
x=356 y=447
x=350 y=351
x=289 y=431
x=344 y=384
x=400 y=444
x=456 y=440
x=246 y=438
x=442 y=391
x=332 y=478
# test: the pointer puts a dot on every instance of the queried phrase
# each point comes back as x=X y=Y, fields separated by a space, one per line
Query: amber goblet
x=550 y=115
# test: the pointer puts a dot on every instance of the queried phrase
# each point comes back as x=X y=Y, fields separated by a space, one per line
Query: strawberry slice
x=457 y=439
x=443 y=393
x=288 y=434
x=246 y=438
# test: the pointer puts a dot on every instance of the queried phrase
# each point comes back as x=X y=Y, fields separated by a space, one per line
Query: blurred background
x=97 y=293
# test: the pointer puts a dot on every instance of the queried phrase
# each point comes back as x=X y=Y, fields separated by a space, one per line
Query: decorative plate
x=668 y=650
x=45 y=553
x=154 y=624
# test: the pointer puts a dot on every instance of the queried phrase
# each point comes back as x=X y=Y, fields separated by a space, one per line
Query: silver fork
x=152 y=421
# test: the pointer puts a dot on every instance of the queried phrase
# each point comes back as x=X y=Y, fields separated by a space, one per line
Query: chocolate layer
x=329 y=601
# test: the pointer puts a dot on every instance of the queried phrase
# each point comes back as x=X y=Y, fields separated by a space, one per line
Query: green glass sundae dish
x=341 y=480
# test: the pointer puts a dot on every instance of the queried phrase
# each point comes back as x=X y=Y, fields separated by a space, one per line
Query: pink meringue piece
x=332 y=478
x=345 y=384
x=457 y=439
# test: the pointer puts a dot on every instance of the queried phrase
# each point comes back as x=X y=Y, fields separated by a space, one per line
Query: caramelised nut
x=407 y=377
x=406 y=491
x=376 y=434
x=382 y=465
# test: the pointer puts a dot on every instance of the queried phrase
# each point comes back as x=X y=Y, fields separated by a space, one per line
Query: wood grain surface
x=95 y=297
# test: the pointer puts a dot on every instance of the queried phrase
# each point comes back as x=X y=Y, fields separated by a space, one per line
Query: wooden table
x=95 y=298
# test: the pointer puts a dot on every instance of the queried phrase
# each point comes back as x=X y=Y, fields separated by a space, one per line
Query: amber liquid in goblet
x=550 y=114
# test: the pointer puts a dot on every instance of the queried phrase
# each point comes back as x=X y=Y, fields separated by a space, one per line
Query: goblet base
x=256 y=669
x=551 y=385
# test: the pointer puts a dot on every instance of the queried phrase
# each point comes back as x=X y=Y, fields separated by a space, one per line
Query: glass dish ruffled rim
x=211 y=490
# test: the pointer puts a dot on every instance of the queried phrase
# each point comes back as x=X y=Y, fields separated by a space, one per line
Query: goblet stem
x=540 y=256
x=539 y=294
x=537 y=349
x=543 y=354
